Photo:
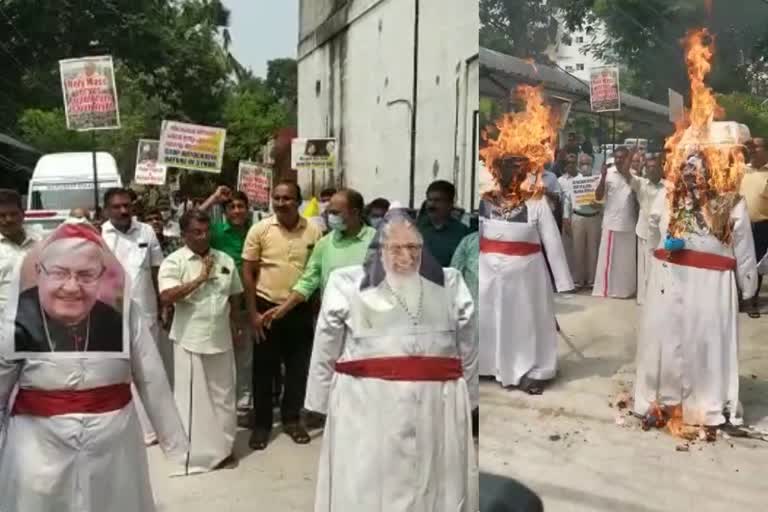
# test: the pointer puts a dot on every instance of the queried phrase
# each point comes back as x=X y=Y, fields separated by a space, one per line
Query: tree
x=522 y=28
x=283 y=82
x=646 y=38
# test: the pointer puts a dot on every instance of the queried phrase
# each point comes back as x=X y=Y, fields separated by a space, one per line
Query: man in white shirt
x=136 y=246
x=646 y=189
x=581 y=227
x=204 y=286
x=616 y=274
x=15 y=241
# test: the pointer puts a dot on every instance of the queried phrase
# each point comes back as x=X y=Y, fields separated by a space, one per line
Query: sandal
x=531 y=386
x=297 y=432
x=259 y=439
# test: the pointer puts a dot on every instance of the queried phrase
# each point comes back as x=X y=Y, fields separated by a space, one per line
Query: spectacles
x=61 y=276
x=396 y=248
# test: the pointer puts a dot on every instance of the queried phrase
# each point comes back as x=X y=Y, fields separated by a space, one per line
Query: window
x=579 y=67
x=569 y=68
x=579 y=39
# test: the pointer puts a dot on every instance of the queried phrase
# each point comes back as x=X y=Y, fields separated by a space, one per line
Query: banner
x=604 y=91
x=148 y=171
x=584 y=190
x=90 y=95
x=69 y=298
x=256 y=181
x=676 y=106
x=192 y=146
x=313 y=154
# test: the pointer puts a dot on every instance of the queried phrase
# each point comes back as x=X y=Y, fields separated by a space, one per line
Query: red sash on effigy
x=47 y=403
x=508 y=248
x=696 y=259
x=404 y=368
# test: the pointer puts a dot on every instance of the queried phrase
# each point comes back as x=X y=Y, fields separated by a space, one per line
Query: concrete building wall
x=574 y=57
x=356 y=83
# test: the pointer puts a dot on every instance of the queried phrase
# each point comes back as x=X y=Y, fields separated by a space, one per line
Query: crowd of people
x=335 y=319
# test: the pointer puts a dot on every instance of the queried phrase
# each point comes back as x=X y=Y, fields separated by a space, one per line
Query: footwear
x=297 y=432
x=314 y=420
x=531 y=386
x=259 y=439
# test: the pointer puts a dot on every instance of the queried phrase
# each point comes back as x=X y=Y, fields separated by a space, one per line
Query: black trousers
x=289 y=342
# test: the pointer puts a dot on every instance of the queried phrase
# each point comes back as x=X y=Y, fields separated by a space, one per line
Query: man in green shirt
x=345 y=245
x=442 y=233
x=229 y=237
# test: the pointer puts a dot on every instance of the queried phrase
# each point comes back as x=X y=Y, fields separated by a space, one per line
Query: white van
x=63 y=181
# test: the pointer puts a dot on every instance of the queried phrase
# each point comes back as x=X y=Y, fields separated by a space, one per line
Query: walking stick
x=567 y=340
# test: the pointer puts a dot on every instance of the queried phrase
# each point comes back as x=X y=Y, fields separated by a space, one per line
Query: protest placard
x=313 y=154
x=256 y=181
x=604 y=91
x=584 y=190
x=90 y=95
x=148 y=171
x=676 y=106
x=192 y=146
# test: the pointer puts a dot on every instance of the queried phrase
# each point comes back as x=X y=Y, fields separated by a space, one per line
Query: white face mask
x=336 y=223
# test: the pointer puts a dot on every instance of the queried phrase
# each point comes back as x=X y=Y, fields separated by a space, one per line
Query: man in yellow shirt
x=754 y=188
x=275 y=255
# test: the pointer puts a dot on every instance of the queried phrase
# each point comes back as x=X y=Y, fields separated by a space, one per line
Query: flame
x=671 y=418
x=530 y=133
x=725 y=165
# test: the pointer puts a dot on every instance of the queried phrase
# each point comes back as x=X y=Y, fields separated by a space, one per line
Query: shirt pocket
x=139 y=258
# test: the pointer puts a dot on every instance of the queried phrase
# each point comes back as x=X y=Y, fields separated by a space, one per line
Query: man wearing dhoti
x=616 y=274
x=646 y=188
x=70 y=441
x=518 y=331
x=204 y=287
x=394 y=367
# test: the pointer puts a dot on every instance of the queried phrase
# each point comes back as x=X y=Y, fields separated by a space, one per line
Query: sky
x=263 y=30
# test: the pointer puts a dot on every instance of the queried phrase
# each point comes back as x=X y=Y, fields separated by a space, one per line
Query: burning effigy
x=518 y=338
x=516 y=157
x=687 y=364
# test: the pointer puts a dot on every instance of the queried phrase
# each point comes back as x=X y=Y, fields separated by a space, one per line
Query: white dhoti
x=687 y=352
x=205 y=396
x=518 y=333
x=586 y=246
x=146 y=426
x=644 y=255
x=616 y=275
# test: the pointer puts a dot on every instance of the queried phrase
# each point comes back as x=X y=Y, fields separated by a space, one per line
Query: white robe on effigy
x=85 y=462
x=394 y=446
x=687 y=350
x=518 y=334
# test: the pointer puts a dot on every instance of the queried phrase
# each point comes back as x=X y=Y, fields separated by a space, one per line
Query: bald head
x=758 y=155
x=78 y=213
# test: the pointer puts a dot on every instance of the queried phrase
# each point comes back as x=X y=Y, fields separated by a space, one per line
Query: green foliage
x=746 y=109
x=172 y=62
x=517 y=27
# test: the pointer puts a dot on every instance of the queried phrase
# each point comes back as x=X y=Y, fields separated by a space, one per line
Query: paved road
x=280 y=479
x=567 y=446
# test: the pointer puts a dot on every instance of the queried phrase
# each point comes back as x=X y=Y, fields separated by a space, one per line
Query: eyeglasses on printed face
x=60 y=275
x=398 y=248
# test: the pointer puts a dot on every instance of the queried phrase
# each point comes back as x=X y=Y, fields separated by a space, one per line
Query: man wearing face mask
x=646 y=189
x=584 y=221
x=346 y=245
x=376 y=211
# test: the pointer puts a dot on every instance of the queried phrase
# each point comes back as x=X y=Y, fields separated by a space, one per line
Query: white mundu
x=687 y=351
x=616 y=274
